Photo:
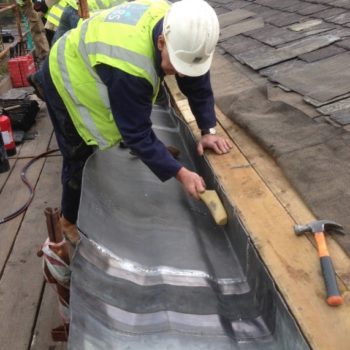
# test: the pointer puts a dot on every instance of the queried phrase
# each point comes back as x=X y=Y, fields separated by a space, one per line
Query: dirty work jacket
x=74 y=56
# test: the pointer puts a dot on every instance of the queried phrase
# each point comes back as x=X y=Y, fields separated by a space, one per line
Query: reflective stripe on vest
x=55 y=12
x=74 y=56
x=125 y=55
x=94 y=5
x=83 y=111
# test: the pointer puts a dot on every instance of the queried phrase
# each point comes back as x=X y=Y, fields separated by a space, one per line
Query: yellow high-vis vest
x=94 y=5
x=120 y=37
x=54 y=13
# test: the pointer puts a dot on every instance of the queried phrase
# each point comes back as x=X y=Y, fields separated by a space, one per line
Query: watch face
x=211 y=131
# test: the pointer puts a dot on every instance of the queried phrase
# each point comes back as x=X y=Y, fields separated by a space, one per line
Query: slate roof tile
x=342 y=117
x=274 y=36
x=237 y=4
x=311 y=9
x=345 y=44
x=325 y=14
x=297 y=6
x=319 y=1
x=284 y=18
x=277 y=4
x=265 y=12
x=239 y=44
x=341 y=3
x=323 y=53
x=343 y=18
x=342 y=32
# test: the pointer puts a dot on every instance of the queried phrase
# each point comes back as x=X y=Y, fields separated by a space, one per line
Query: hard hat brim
x=189 y=69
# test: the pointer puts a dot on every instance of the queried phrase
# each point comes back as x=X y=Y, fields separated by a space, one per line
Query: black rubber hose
x=26 y=182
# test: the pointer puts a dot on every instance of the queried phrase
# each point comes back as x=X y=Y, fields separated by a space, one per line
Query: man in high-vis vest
x=70 y=16
x=63 y=16
x=102 y=78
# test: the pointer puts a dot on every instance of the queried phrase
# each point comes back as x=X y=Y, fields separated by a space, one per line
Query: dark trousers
x=74 y=150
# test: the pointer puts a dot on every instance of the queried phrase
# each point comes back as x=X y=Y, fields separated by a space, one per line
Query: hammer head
x=317 y=226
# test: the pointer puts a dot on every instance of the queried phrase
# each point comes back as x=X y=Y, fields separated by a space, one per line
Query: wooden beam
x=5 y=8
x=83 y=9
x=269 y=207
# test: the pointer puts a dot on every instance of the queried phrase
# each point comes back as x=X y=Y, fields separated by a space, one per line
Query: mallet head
x=317 y=226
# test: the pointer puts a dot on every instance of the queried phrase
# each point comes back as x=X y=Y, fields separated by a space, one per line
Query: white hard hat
x=191 y=32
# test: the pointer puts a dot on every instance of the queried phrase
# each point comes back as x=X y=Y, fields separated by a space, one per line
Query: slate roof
x=302 y=46
x=313 y=36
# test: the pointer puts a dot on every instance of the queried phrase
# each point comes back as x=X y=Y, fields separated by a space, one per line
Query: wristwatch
x=210 y=131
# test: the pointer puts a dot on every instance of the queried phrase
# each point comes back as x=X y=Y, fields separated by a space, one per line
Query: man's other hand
x=218 y=144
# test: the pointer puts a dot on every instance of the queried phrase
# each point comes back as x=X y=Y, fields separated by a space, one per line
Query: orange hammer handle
x=333 y=295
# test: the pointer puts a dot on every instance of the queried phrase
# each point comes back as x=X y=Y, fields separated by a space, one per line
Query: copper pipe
x=55 y=235
x=50 y=225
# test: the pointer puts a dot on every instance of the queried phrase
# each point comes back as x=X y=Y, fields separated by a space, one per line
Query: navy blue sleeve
x=131 y=104
x=200 y=97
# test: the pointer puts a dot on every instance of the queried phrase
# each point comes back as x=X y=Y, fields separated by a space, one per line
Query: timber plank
x=53 y=143
x=22 y=281
x=43 y=128
x=4 y=176
x=13 y=197
x=48 y=318
x=292 y=261
x=274 y=178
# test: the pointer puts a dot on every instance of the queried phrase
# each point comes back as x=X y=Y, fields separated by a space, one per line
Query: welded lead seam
x=165 y=321
x=149 y=276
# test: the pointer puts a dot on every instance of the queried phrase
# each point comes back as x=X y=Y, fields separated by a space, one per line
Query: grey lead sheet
x=153 y=271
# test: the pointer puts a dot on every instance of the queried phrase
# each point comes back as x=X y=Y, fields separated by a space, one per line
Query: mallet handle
x=333 y=295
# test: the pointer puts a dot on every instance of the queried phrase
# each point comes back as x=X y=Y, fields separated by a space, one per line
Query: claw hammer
x=318 y=228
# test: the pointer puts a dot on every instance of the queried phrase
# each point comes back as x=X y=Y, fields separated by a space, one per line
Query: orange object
x=318 y=228
x=335 y=300
x=321 y=244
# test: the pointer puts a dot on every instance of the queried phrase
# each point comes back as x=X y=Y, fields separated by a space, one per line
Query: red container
x=19 y=68
x=7 y=135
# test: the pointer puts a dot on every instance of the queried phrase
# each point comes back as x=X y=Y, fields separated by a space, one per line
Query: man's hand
x=191 y=181
x=218 y=144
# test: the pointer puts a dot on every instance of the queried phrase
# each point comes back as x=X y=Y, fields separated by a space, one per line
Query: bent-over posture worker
x=102 y=77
